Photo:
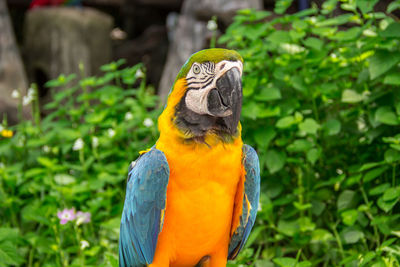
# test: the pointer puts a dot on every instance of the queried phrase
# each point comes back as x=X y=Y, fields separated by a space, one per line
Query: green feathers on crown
x=209 y=55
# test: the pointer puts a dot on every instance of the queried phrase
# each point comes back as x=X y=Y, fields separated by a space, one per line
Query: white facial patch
x=201 y=79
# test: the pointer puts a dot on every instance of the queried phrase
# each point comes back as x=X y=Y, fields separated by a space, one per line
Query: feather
x=250 y=201
x=142 y=216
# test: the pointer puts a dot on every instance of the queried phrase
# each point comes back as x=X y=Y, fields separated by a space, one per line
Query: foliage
x=322 y=107
x=77 y=157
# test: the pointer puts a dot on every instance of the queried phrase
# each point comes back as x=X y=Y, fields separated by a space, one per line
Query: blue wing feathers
x=144 y=201
x=252 y=192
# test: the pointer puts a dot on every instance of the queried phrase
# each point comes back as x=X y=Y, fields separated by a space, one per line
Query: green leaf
x=386 y=115
x=264 y=135
x=264 y=263
x=351 y=34
x=369 y=165
x=392 y=155
x=391 y=194
x=309 y=126
x=392 y=139
x=249 y=84
x=285 y=262
x=251 y=110
x=354 y=179
x=268 y=94
x=321 y=235
x=335 y=21
x=351 y=96
x=288 y=228
x=317 y=207
x=395 y=146
x=93 y=251
x=324 y=31
x=69 y=133
x=296 y=35
x=380 y=189
x=306 y=224
x=346 y=199
x=275 y=160
x=313 y=155
x=351 y=235
x=298 y=83
x=10 y=234
x=386 y=205
x=328 y=6
x=332 y=127
x=255 y=234
x=381 y=62
x=391 y=31
x=269 y=111
x=349 y=217
x=300 y=206
x=96 y=117
x=64 y=179
x=313 y=43
x=367 y=258
x=60 y=81
x=282 y=5
x=371 y=175
x=279 y=37
x=299 y=145
x=9 y=254
x=304 y=264
x=349 y=6
x=392 y=78
x=285 y=122
x=35 y=172
x=112 y=259
x=366 y=6
x=300 y=25
x=273 y=188
x=393 y=6
x=46 y=162
x=113 y=66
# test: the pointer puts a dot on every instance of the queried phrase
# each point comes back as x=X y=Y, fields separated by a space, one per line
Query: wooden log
x=12 y=73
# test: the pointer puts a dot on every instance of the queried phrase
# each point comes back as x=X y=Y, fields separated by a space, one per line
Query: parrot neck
x=169 y=130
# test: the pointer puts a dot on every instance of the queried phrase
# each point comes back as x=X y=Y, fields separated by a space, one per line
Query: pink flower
x=66 y=215
x=82 y=217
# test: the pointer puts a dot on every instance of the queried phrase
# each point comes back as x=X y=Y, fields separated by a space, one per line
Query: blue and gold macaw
x=192 y=199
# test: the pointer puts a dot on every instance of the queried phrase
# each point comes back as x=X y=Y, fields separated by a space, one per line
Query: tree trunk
x=12 y=73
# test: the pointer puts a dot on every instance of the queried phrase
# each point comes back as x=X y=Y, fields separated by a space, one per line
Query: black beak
x=225 y=101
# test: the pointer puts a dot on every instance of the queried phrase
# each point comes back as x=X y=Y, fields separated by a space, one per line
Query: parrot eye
x=196 y=69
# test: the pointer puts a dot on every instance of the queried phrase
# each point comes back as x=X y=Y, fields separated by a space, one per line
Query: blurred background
x=41 y=39
x=82 y=83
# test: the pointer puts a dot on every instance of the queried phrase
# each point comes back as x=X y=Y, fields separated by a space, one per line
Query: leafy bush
x=75 y=159
x=322 y=106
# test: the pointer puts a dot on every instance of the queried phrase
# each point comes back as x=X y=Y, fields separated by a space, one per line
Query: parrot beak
x=225 y=101
x=227 y=95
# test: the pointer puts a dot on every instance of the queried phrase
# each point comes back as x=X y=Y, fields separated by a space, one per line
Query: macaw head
x=207 y=95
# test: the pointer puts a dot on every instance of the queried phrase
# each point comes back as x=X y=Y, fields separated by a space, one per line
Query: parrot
x=192 y=198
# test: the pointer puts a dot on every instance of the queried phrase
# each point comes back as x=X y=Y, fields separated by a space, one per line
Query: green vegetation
x=321 y=107
x=77 y=157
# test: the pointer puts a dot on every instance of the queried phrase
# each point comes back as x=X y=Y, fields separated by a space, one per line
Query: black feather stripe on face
x=207 y=80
